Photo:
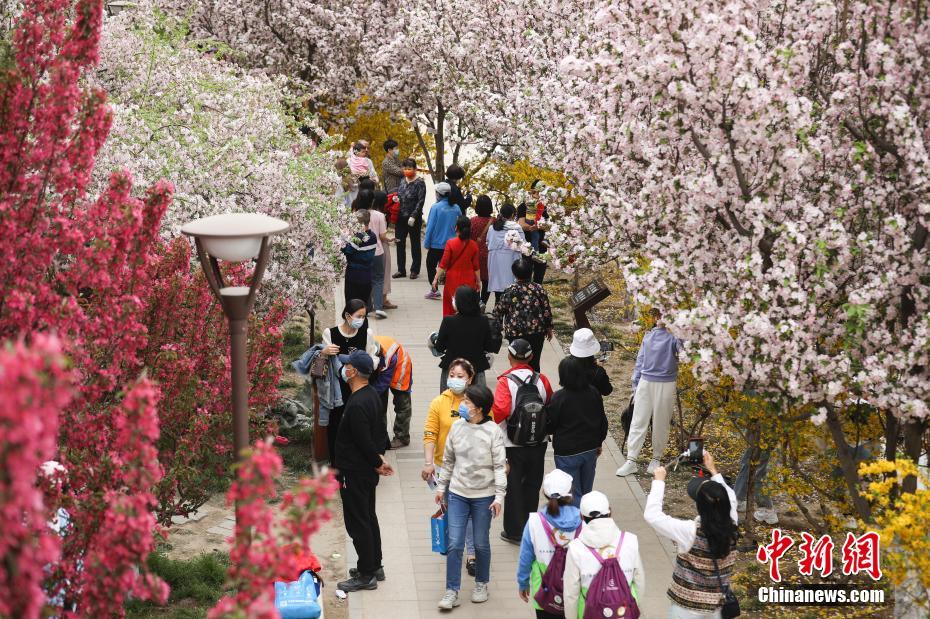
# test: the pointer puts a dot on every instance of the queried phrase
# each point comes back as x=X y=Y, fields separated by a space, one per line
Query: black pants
x=539 y=271
x=433 y=256
x=335 y=416
x=527 y=465
x=358 y=290
x=402 y=232
x=357 y=489
x=536 y=341
x=541 y=614
x=485 y=293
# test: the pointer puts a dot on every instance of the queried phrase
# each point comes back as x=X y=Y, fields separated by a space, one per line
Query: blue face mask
x=457 y=385
x=342 y=374
x=357 y=323
x=464 y=413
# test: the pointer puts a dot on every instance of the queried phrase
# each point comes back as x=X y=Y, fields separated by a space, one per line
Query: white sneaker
x=480 y=594
x=450 y=600
x=628 y=467
x=380 y=313
x=653 y=465
x=741 y=506
x=766 y=515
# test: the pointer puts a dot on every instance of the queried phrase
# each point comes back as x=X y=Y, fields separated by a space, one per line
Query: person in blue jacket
x=562 y=524
x=440 y=227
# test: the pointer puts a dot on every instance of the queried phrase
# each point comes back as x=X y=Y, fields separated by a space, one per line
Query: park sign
x=585 y=299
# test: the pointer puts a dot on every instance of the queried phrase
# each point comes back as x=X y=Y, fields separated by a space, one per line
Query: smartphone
x=606 y=346
x=696 y=450
x=431 y=482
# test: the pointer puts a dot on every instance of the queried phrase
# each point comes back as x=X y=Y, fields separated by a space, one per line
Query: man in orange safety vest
x=395 y=375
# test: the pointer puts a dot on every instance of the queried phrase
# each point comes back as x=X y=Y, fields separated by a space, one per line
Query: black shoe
x=358 y=583
x=398 y=275
x=379 y=573
x=510 y=540
x=470 y=566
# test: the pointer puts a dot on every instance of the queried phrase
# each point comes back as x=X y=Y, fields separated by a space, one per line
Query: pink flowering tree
x=75 y=266
x=226 y=139
x=268 y=543
x=34 y=386
x=760 y=171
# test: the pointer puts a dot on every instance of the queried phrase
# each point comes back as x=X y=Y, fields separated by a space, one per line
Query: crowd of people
x=485 y=438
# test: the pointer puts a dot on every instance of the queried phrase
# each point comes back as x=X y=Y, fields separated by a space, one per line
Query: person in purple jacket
x=654 y=392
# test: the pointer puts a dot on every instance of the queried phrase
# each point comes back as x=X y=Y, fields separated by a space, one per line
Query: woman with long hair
x=459 y=264
x=706 y=545
x=350 y=334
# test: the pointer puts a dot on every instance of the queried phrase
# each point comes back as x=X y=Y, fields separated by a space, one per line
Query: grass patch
x=295 y=343
x=196 y=585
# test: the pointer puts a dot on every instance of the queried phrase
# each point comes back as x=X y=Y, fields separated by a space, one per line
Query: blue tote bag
x=439 y=531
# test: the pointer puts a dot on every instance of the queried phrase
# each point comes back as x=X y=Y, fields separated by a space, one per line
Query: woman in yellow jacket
x=443 y=411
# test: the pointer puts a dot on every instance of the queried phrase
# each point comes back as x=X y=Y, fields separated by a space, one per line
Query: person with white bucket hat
x=585 y=347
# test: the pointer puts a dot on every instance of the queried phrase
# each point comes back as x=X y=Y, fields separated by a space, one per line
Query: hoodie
x=440 y=224
x=529 y=567
x=581 y=567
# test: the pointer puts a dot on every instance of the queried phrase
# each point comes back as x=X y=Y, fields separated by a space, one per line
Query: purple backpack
x=549 y=597
x=609 y=593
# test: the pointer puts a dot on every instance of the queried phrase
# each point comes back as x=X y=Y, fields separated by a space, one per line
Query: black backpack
x=527 y=424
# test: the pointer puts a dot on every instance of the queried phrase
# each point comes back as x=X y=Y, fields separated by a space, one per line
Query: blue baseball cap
x=360 y=360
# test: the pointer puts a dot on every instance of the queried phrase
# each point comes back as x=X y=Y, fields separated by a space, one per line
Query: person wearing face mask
x=351 y=334
x=412 y=195
x=443 y=411
x=391 y=169
x=472 y=473
x=361 y=441
x=467 y=334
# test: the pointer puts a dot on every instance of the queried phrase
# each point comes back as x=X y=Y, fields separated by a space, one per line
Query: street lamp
x=235 y=237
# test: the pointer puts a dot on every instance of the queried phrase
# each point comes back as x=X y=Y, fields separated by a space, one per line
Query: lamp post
x=235 y=237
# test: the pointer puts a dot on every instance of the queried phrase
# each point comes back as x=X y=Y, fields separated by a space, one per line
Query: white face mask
x=457 y=385
x=356 y=323
x=453 y=305
x=396 y=152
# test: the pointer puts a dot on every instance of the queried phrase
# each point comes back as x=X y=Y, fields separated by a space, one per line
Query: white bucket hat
x=584 y=344
x=557 y=484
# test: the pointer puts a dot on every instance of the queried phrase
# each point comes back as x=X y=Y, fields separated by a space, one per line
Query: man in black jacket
x=360 y=445
x=412 y=194
x=454 y=175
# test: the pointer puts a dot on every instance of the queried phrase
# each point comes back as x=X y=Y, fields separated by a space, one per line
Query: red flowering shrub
x=188 y=356
x=266 y=544
x=33 y=387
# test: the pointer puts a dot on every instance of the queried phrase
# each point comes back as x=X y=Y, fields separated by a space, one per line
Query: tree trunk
x=913 y=445
x=847 y=464
x=439 y=170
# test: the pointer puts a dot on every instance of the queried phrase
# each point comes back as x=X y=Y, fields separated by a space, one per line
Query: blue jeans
x=460 y=509
x=759 y=473
x=581 y=467
x=469 y=532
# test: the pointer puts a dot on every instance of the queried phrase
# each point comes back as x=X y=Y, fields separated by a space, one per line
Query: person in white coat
x=602 y=534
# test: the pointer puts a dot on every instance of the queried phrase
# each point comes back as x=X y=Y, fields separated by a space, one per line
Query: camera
x=696 y=450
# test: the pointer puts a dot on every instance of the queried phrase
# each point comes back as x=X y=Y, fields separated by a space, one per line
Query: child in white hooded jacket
x=602 y=534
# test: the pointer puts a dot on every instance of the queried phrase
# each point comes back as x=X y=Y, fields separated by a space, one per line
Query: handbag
x=729 y=605
x=318 y=366
x=439 y=531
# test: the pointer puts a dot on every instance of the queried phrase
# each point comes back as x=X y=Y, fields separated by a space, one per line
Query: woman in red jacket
x=459 y=263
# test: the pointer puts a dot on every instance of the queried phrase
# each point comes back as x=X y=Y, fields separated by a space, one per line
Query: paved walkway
x=415 y=575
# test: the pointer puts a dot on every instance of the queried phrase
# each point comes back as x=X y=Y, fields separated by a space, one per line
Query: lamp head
x=234 y=237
